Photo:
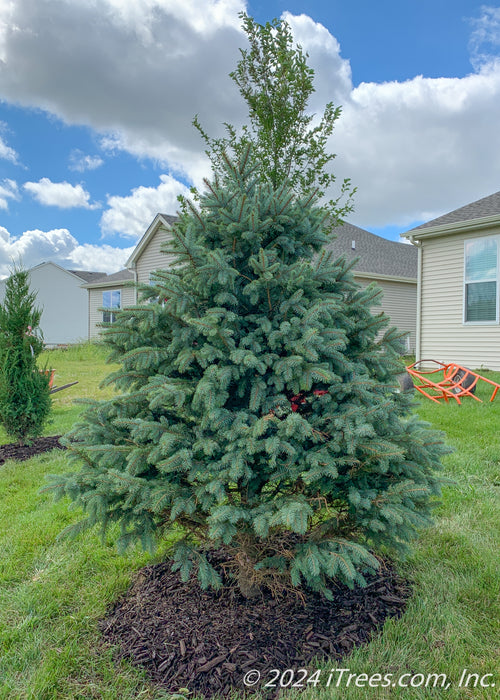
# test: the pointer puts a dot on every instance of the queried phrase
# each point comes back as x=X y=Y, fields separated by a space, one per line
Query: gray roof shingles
x=120 y=276
x=86 y=275
x=487 y=206
x=169 y=218
x=376 y=255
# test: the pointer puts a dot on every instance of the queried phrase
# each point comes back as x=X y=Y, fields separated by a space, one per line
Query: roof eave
x=111 y=283
x=470 y=226
x=59 y=267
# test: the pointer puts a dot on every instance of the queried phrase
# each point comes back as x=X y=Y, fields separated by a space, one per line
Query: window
x=110 y=300
x=481 y=280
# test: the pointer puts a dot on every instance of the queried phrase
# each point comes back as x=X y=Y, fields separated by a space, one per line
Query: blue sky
x=97 y=99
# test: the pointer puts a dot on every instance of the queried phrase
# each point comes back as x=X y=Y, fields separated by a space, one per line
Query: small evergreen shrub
x=24 y=390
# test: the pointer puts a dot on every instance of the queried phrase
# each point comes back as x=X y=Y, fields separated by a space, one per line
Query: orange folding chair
x=446 y=381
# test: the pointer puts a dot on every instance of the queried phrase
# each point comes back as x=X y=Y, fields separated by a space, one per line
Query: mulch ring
x=206 y=641
x=21 y=452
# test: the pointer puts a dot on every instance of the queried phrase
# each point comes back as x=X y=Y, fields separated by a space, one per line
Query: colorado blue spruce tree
x=257 y=408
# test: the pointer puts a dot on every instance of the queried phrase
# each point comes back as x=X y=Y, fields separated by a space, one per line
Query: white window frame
x=495 y=279
x=107 y=308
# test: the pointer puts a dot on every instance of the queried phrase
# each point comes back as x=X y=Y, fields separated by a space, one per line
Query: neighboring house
x=108 y=292
x=392 y=265
x=116 y=291
x=63 y=300
x=458 y=288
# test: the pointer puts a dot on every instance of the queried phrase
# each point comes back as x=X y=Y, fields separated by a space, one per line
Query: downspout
x=133 y=267
x=418 y=338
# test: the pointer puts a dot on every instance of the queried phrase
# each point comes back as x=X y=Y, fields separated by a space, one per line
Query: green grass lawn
x=53 y=592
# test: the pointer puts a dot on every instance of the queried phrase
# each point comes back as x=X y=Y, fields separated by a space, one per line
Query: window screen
x=481 y=283
x=110 y=300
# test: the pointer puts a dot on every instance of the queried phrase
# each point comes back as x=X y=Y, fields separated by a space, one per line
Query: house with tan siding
x=458 y=316
x=392 y=265
x=108 y=292
x=119 y=290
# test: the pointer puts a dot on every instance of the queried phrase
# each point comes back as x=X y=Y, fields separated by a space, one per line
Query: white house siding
x=444 y=335
x=95 y=303
x=152 y=258
x=63 y=303
x=399 y=302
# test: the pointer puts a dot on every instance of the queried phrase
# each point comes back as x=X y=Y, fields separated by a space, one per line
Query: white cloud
x=104 y=258
x=484 y=43
x=8 y=190
x=7 y=153
x=333 y=77
x=188 y=164
x=144 y=68
x=140 y=15
x=420 y=148
x=59 y=246
x=59 y=194
x=414 y=149
x=81 y=162
x=130 y=216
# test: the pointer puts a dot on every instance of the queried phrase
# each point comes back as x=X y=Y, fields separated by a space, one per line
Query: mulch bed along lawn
x=207 y=641
x=21 y=452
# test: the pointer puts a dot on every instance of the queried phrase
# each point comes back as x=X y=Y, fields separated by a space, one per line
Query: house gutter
x=383 y=278
x=112 y=283
x=451 y=229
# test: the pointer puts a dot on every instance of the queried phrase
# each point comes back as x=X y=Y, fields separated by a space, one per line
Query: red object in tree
x=300 y=399
x=297 y=401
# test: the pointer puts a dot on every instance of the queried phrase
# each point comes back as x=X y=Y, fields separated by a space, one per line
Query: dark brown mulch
x=207 y=641
x=21 y=452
